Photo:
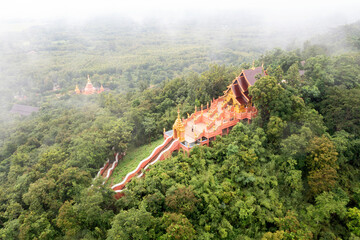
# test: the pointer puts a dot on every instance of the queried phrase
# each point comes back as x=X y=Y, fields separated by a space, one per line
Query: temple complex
x=202 y=127
x=218 y=117
x=89 y=88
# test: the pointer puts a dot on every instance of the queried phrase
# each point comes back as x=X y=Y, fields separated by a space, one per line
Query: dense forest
x=293 y=173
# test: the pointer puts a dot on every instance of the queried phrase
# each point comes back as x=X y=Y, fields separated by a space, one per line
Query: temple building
x=89 y=88
x=220 y=116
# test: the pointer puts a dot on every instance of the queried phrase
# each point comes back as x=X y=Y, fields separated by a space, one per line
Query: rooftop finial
x=253 y=65
x=88 y=78
x=178 y=113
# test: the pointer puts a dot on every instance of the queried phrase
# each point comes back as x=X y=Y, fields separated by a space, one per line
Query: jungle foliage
x=293 y=173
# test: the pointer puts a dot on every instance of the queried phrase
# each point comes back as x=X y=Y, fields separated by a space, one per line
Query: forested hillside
x=120 y=53
x=43 y=63
x=340 y=39
x=293 y=173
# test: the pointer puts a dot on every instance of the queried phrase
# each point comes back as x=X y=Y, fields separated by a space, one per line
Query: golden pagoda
x=179 y=128
x=77 y=90
x=89 y=88
x=101 y=89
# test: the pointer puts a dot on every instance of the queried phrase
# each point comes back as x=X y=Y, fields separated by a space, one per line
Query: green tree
x=265 y=95
x=322 y=164
x=341 y=110
x=119 y=135
x=36 y=226
x=273 y=101
x=353 y=223
x=182 y=200
x=89 y=150
x=329 y=210
x=278 y=74
x=177 y=227
x=293 y=76
x=133 y=224
x=319 y=73
x=90 y=215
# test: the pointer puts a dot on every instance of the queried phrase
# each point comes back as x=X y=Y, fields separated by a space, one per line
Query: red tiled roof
x=251 y=73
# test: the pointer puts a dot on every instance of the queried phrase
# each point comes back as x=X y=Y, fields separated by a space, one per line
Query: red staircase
x=160 y=153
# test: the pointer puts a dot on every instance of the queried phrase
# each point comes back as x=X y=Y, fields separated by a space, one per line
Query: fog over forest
x=267 y=24
x=274 y=15
x=102 y=102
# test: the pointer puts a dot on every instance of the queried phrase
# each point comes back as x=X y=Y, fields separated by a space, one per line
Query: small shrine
x=179 y=128
x=89 y=88
x=220 y=115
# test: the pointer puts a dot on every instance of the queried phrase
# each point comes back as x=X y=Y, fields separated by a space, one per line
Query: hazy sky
x=138 y=9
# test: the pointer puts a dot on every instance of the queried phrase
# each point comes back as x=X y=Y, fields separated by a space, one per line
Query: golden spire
x=253 y=65
x=77 y=90
x=179 y=128
x=89 y=79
